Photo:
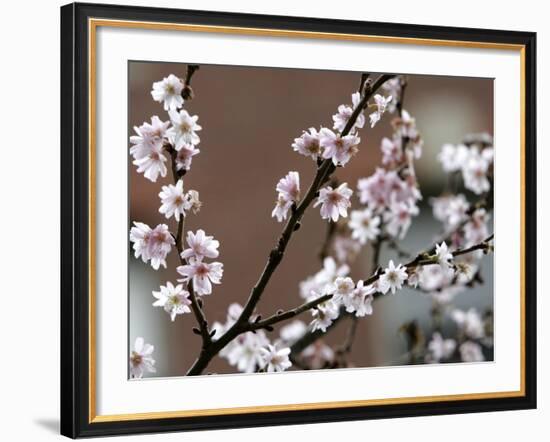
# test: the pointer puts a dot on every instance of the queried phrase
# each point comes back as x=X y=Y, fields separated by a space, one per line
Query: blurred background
x=250 y=117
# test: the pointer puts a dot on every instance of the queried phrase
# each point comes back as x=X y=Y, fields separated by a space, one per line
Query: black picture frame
x=75 y=400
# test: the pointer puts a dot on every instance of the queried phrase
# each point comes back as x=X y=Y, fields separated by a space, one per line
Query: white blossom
x=471 y=352
x=453 y=157
x=202 y=274
x=282 y=206
x=359 y=301
x=324 y=315
x=275 y=359
x=168 y=91
x=439 y=348
x=319 y=282
x=174 y=299
x=141 y=361
x=392 y=278
x=451 y=210
x=334 y=202
x=184 y=127
x=470 y=322
x=393 y=88
x=345 y=248
x=364 y=225
x=201 y=246
x=399 y=218
x=184 y=154
x=293 y=331
x=245 y=351
x=174 y=201
x=289 y=193
x=344 y=114
x=391 y=151
x=443 y=255
x=317 y=355
x=195 y=203
x=147 y=136
x=308 y=144
x=381 y=104
x=151 y=244
x=338 y=149
x=474 y=172
x=154 y=163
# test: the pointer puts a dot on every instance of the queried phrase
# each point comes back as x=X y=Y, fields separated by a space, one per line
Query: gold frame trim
x=93 y=24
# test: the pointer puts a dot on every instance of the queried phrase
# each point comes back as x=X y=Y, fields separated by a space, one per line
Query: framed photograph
x=279 y=220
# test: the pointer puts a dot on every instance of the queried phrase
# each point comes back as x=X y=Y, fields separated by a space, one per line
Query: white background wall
x=29 y=244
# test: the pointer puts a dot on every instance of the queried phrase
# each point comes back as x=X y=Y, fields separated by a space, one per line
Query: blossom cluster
x=337 y=145
x=251 y=351
x=155 y=148
x=474 y=162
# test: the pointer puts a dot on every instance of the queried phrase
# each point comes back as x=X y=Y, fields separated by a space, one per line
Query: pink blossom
x=308 y=144
x=202 y=274
x=334 y=202
x=338 y=149
x=344 y=113
x=200 y=246
x=152 y=244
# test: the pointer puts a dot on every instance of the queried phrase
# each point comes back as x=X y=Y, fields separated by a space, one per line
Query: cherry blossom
x=398 y=219
x=319 y=282
x=392 y=278
x=308 y=144
x=151 y=244
x=202 y=274
x=293 y=331
x=334 y=202
x=474 y=172
x=393 y=88
x=342 y=288
x=356 y=300
x=439 y=348
x=324 y=315
x=184 y=154
x=442 y=254
x=391 y=151
x=195 y=203
x=289 y=193
x=275 y=359
x=168 y=91
x=471 y=352
x=245 y=351
x=345 y=248
x=154 y=163
x=470 y=322
x=381 y=104
x=451 y=210
x=141 y=361
x=476 y=230
x=452 y=157
x=344 y=114
x=364 y=225
x=338 y=149
x=200 y=246
x=147 y=136
x=184 y=127
x=174 y=201
x=405 y=126
x=317 y=355
x=174 y=299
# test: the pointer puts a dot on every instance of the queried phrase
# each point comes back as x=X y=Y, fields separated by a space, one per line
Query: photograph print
x=297 y=219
